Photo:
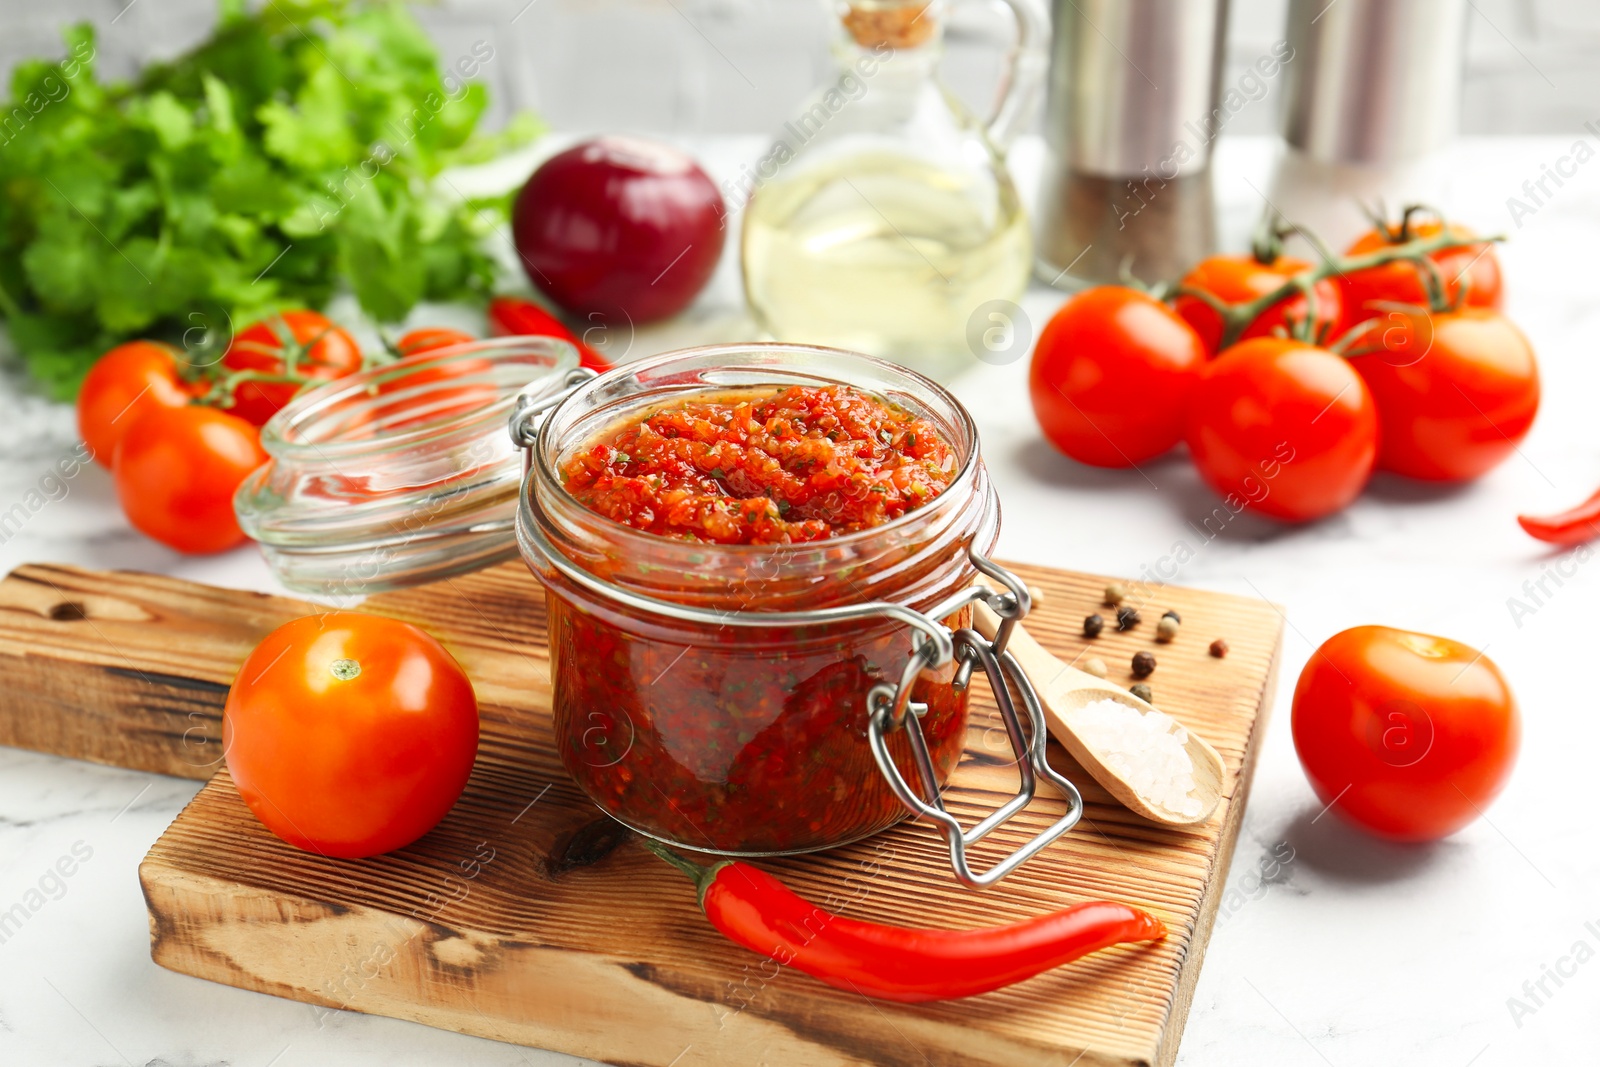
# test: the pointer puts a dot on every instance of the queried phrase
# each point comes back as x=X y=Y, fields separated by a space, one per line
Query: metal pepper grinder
x=1130 y=119
x=1371 y=101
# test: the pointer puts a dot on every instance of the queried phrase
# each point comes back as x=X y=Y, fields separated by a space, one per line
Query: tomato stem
x=288 y=345
x=388 y=353
x=1213 y=302
x=224 y=387
x=1403 y=234
x=1302 y=329
x=1267 y=243
x=1237 y=317
x=1377 y=213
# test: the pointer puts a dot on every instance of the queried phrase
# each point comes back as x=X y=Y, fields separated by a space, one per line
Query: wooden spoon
x=1063 y=688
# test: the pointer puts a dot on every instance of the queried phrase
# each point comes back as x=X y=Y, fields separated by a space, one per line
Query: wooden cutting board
x=526 y=916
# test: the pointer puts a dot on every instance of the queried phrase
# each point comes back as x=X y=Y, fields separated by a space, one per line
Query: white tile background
x=737 y=66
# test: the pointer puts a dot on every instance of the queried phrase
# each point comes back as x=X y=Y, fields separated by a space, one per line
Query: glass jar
x=400 y=474
x=728 y=732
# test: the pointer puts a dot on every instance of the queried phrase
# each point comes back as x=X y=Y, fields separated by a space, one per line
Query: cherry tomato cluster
x=1292 y=382
x=180 y=435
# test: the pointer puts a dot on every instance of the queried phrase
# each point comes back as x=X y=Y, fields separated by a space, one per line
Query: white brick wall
x=719 y=66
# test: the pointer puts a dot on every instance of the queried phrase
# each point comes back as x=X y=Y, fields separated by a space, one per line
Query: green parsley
x=293 y=153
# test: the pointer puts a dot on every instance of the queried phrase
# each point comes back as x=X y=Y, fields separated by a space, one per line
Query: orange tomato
x=123 y=384
x=176 y=470
x=350 y=735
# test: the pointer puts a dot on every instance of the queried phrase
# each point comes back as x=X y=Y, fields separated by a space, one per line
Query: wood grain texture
x=125 y=668
x=527 y=917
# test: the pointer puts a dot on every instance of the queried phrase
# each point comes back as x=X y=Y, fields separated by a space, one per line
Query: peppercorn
x=1115 y=595
x=1166 y=629
x=1127 y=618
x=1096 y=666
x=1142 y=691
x=1092 y=625
x=1173 y=615
x=1143 y=664
x=1219 y=648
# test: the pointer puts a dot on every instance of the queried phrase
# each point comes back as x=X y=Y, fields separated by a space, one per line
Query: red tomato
x=1283 y=428
x=417 y=347
x=1402 y=283
x=176 y=470
x=122 y=385
x=1238 y=279
x=349 y=734
x=443 y=388
x=317 y=348
x=1455 y=391
x=1111 y=375
x=429 y=338
x=1405 y=735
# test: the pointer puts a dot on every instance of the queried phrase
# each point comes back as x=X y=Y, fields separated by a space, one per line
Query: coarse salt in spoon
x=1139 y=760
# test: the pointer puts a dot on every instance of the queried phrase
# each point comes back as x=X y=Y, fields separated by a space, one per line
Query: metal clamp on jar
x=742 y=699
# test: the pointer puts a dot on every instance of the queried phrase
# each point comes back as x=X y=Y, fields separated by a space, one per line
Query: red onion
x=621 y=226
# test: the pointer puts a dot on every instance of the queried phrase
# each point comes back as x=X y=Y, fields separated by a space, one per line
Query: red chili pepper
x=512 y=316
x=1573 y=527
x=754 y=909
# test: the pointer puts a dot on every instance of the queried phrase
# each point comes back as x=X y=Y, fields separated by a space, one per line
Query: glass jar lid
x=400 y=474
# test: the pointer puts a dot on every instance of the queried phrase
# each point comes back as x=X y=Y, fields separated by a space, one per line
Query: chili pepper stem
x=700 y=874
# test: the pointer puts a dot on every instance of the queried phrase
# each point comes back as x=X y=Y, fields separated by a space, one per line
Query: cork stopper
x=896 y=23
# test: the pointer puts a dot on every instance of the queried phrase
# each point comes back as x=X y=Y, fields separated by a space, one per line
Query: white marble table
x=1351 y=953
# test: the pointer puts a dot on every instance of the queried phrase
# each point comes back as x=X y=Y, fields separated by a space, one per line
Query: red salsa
x=740 y=739
x=764 y=468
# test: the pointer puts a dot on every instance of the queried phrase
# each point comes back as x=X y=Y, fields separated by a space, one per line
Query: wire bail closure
x=530 y=410
x=890 y=707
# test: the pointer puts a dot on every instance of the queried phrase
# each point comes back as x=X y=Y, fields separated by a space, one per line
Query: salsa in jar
x=858 y=483
x=763 y=467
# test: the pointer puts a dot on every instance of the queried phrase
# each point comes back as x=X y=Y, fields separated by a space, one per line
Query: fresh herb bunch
x=294 y=150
